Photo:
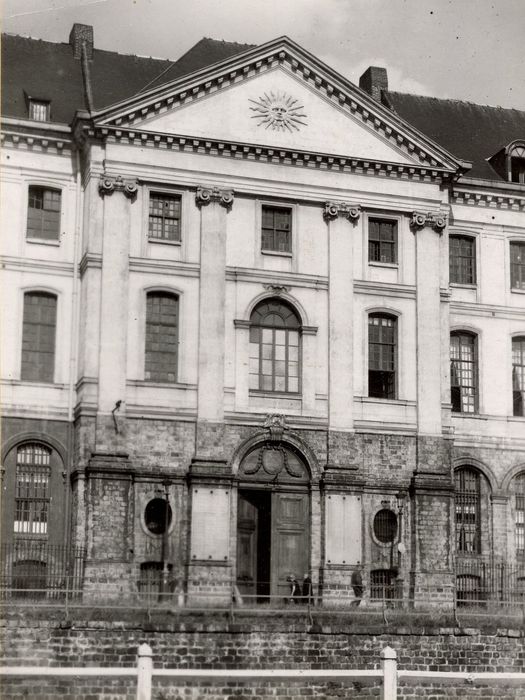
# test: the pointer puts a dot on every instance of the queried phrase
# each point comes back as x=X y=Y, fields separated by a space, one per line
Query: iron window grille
x=462 y=261
x=469 y=590
x=385 y=526
x=162 y=320
x=38 y=337
x=39 y=110
x=382 y=584
x=32 y=499
x=517 y=265
x=43 y=213
x=518 y=376
x=382 y=240
x=382 y=341
x=276 y=229
x=468 y=511
x=463 y=372
x=275 y=348
x=519 y=515
x=164 y=217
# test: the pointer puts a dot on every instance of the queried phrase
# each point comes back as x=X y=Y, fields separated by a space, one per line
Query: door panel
x=290 y=540
x=246 y=545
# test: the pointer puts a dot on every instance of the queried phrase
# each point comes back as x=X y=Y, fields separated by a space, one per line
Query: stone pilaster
x=340 y=218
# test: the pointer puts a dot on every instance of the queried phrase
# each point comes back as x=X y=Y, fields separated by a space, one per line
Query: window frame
x=464 y=333
x=44 y=186
x=383 y=218
x=386 y=315
x=177 y=296
x=520 y=338
x=36 y=102
x=521 y=158
x=290 y=208
x=31 y=498
x=53 y=362
x=472 y=258
x=521 y=288
x=273 y=359
x=471 y=505
x=167 y=193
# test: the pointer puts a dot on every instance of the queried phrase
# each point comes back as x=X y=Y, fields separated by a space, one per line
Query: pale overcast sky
x=462 y=49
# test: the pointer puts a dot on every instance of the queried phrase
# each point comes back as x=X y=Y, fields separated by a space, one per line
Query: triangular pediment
x=278 y=96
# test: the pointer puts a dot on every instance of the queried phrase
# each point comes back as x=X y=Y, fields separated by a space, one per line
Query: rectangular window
x=276 y=229
x=381 y=356
x=164 y=217
x=467 y=506
x=462 y=259
x=162 y=320
x=39 y=110
x=520 y=525
x=517 y=265
x=382 y=240
x=43 y=213
x=38 y=337
x=518 y=376
x=32 y=491
x=463 y=373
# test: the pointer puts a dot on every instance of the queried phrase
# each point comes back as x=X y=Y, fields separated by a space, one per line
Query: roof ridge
x=457 y=101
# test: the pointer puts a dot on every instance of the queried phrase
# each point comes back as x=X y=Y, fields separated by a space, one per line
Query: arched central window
x=274 y=347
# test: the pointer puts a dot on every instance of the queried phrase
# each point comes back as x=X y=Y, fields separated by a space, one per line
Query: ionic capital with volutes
x=116 y=183
x=421 y=219
x=332 y=210
x=205 y=195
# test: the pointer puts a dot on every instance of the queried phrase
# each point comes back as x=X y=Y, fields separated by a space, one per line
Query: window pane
x=43 y=213
x=517 y=265
x=381 y=356
x=38 y=337
x=164 y=217
x=462 y=259
x=161 y=337
x=463 y=373
x=276 y=229
x=32 y=489
x=467 y=507
x=382 y=240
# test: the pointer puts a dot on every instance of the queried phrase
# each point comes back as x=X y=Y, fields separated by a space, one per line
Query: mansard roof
x=470 y=131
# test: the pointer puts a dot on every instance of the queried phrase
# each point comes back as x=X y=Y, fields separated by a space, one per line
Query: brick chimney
x=82 y=34
x=374 y=80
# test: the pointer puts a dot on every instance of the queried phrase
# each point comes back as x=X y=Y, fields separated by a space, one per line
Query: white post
x=144 y=672
x=389 y=667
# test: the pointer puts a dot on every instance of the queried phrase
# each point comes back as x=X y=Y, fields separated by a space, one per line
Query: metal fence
x=480 y=582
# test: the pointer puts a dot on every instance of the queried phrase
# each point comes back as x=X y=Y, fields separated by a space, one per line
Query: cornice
x=486 y=198
x=487 y=310
x=267 y=154
x=50 y=267
x=386 y=289
x=276 y=277
x=285 y=54
x=183 y=269
x=90 y=260
x=36 y=136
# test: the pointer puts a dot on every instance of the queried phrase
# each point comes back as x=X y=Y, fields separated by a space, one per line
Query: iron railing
x=479 y=582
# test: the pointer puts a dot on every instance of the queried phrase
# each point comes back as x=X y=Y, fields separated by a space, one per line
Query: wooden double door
x=273 y=542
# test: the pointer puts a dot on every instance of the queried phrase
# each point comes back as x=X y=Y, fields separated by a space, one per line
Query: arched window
x=382 y=356
x=518 y=376
x=462 y=259
x=518 y=488
x=517 y=164
x=38 y=337
x=463 y=372
x=33 y=471
x=162 y=330
x=275 y=347
x=468 y=510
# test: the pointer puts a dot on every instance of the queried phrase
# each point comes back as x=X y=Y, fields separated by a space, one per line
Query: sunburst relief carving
x=278 y=111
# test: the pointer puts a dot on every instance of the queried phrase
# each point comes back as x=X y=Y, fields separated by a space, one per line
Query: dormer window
x=39 y=110
x=517 y=165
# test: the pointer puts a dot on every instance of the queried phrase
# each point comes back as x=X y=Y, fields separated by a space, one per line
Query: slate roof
x=469 y=131
x=47 y=70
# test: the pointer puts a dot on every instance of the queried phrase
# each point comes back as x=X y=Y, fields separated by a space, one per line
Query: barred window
x=277 y=229
x=38 y=337
x=385 y=525
x=39 y=110
x=382 y=353
x=43 y=213
x=517 y=265
x=382 y=240
x=164 y=217
x=32 y=489
x=467 y=505
x=518 y=376
x=274 y=347
x=462 y=259
x=519 y=514
x=463 y=372
x=162 y=320
x=382 y=584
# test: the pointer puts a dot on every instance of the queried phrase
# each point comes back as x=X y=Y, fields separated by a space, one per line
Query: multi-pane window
x=276 y=229
x=162 y=320
x=517 y=264
x=382 y=240
x=463 y=372
x=38 y=337
x=517 y=165
x=39 y=110
x=32 y=489
x=43 y=213
x=274 y=347
x=519 y=514
x=518 y=376
x=462 y=252
x=382 y=356
x=164 y=217
x=467 y=505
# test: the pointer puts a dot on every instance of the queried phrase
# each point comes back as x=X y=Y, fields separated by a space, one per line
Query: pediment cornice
x=288 y=56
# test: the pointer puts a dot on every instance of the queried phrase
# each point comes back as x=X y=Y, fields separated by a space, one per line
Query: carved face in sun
x=278 y=111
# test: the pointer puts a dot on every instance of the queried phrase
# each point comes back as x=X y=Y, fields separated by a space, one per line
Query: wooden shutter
x=343 y=529
x=210 y=523
x=290 y=551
